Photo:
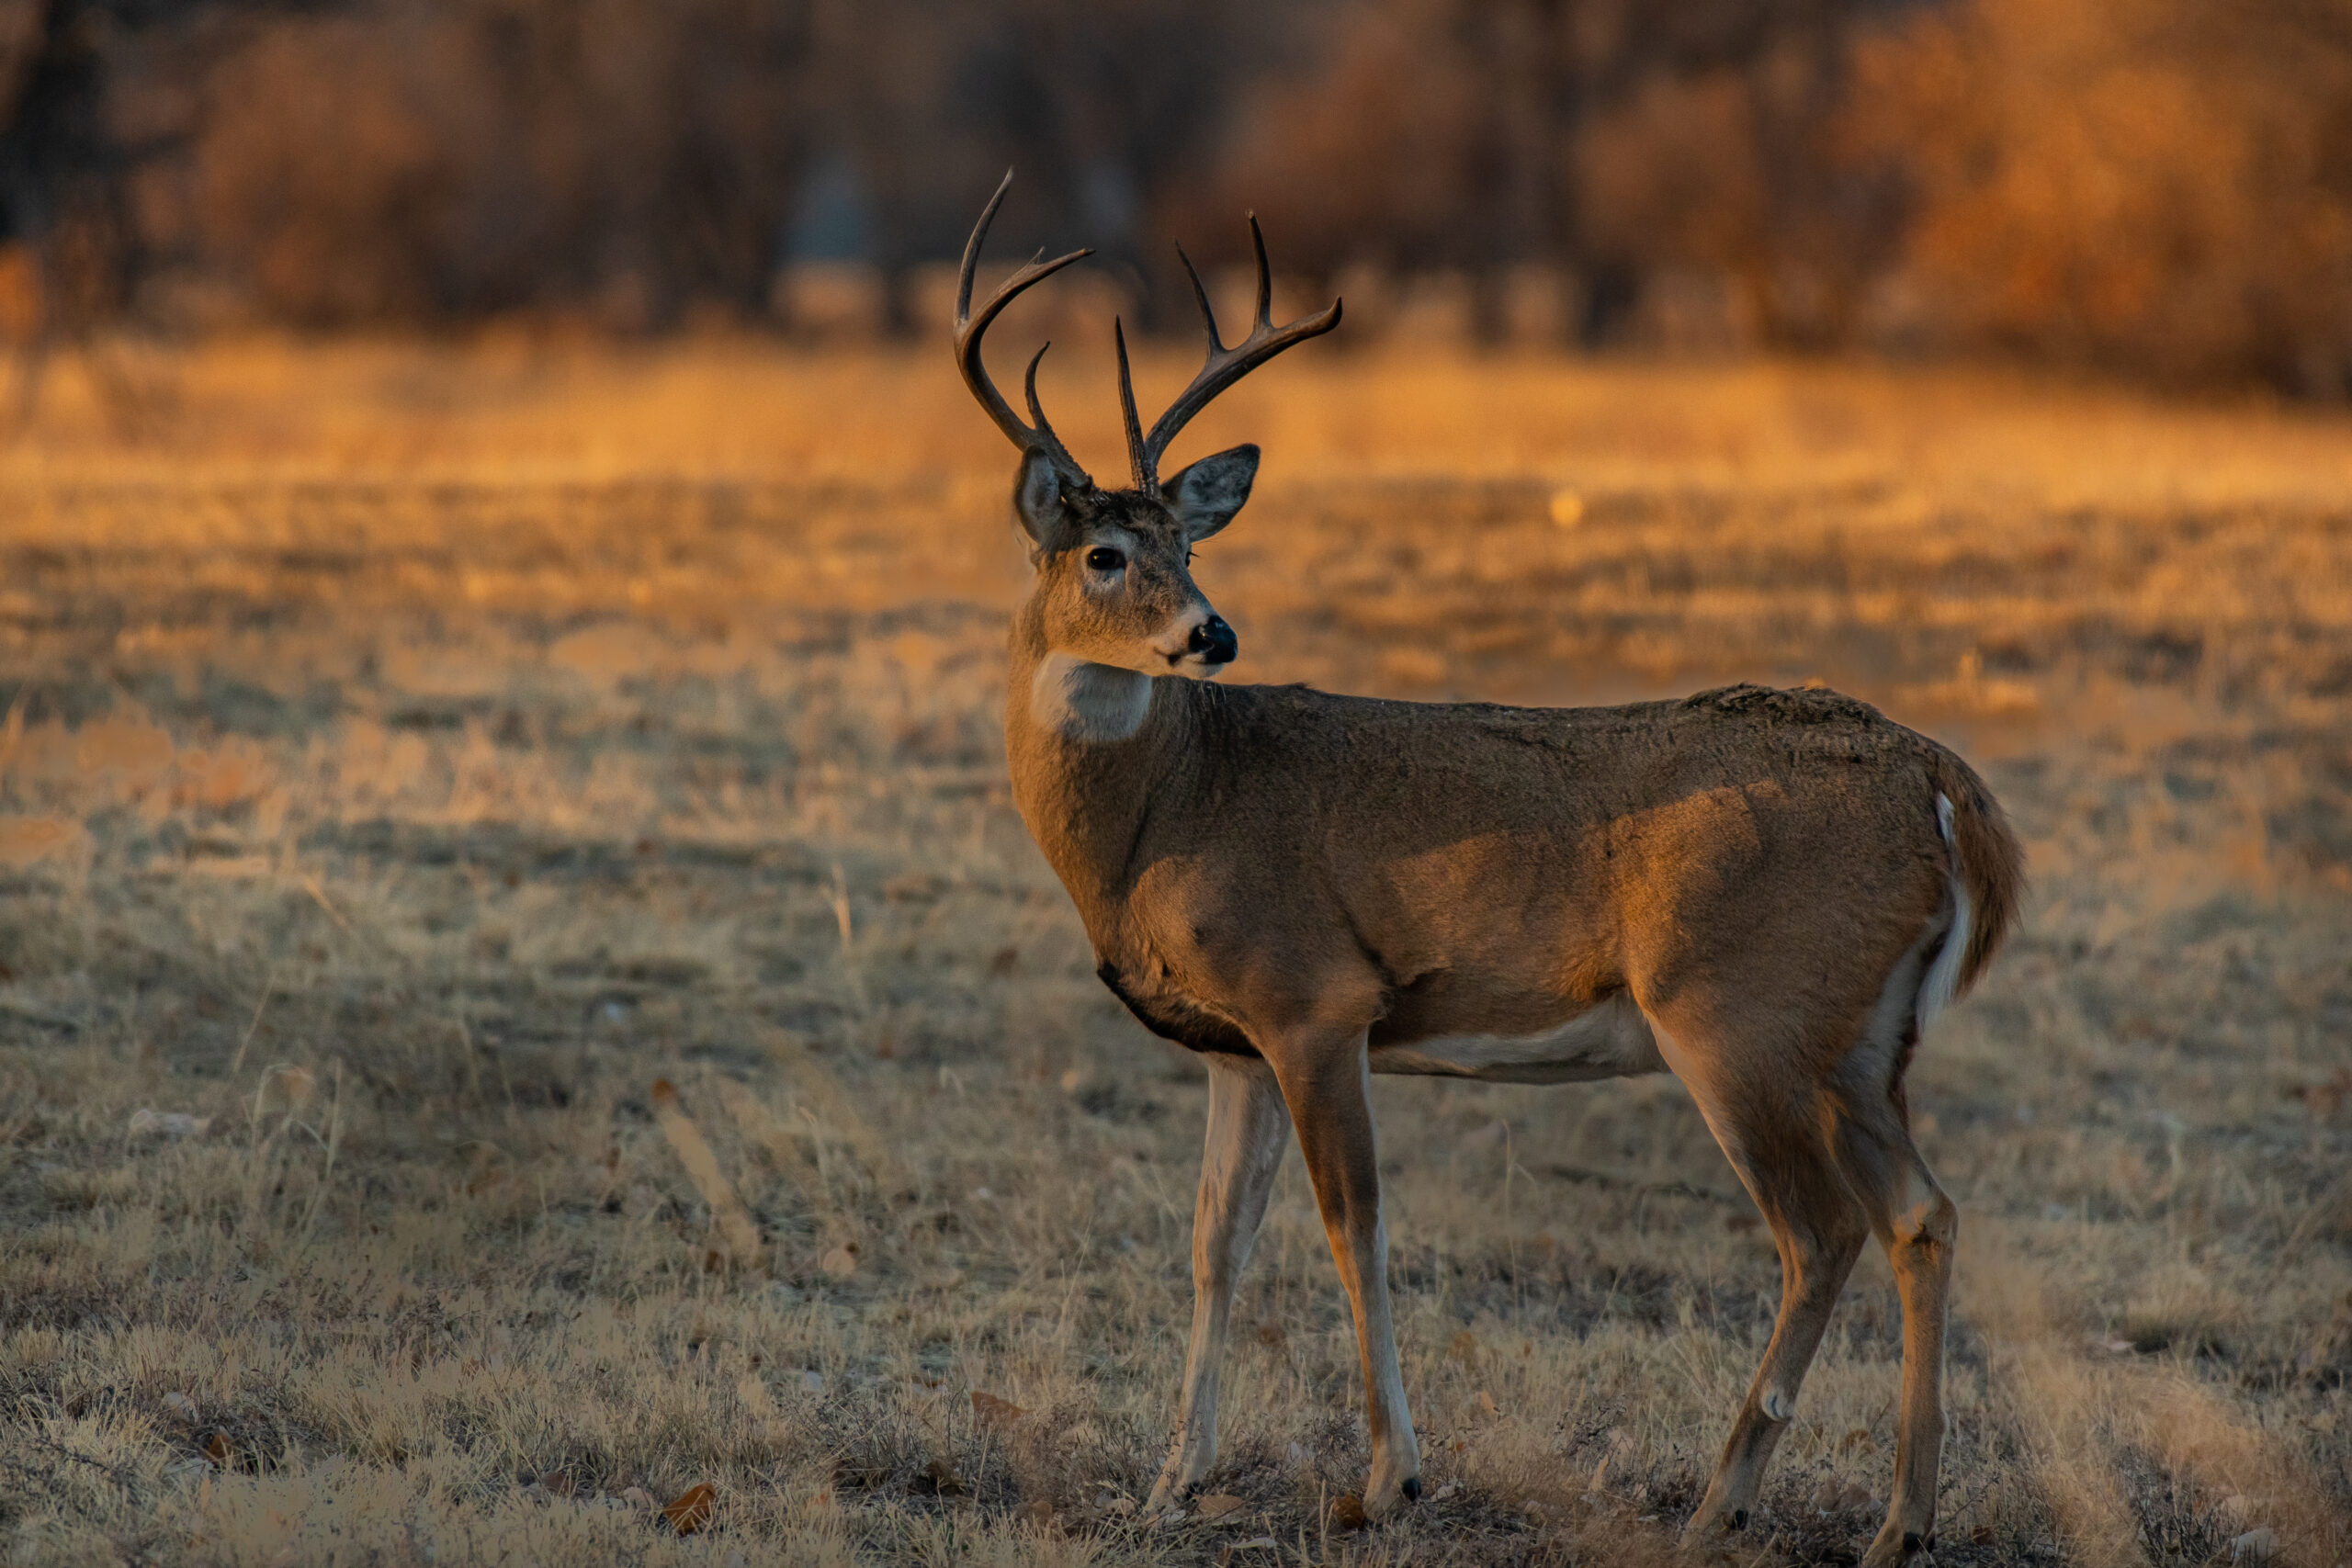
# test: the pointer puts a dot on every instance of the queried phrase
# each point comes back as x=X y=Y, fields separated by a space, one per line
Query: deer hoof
x=1894 y=1548
x=1166 y=1493
x=1382 y=1501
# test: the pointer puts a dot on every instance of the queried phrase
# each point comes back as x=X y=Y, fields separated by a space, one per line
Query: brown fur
x=1317 y=884
x=1749 y=886
x=1642 y=849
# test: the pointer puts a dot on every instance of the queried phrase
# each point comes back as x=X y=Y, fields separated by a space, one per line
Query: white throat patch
x=1082 y=700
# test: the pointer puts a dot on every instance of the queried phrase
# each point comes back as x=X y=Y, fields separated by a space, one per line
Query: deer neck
x=1087 y=704
x=1089 y=747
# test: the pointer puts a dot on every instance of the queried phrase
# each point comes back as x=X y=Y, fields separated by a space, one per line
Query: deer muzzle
x=1213 y=642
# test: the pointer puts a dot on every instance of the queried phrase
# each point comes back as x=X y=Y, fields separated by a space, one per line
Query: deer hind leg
x=1327 y=1083
x=1248 y=1130
x=1917 y=1224
x=1819 y=1231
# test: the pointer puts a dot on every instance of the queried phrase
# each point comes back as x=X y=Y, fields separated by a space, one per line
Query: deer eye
x=1102 y=558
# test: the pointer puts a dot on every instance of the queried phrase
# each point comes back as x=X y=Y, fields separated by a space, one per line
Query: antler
x=1225 y=366
x=970 y=329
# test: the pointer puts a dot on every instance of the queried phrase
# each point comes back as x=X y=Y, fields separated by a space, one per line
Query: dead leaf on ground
x=284 y=1087
x=1347 y=1512
x=993 y=1413
x=637 y=1497
x=1039 y=1512
x=1217 y=1505
x=2328 y=1097
x=1484 y=1404
x=181 y=1405
x=1271 y=1333
x=217 y=1449
x=691 y=1510
x=841 y=1262
x=1834 y=1495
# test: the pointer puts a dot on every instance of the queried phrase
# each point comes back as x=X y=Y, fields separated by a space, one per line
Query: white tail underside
x=1943 y=976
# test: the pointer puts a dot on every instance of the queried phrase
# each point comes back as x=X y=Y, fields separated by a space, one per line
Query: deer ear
x=1206 y=496
x=1038 y=500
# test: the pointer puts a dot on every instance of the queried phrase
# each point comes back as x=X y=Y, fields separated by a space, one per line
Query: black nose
x=1214 y=641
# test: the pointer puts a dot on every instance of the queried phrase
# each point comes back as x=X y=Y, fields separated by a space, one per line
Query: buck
x=1770 y=894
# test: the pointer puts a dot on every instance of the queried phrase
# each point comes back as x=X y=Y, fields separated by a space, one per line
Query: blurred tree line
x=2160 y=185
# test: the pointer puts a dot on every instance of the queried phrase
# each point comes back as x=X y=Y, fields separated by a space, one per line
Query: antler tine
x=971 y=329
x=1029 y=385
x=1138 y=464
x=1225 y=366
x=1201 y=293
x=1266 y=317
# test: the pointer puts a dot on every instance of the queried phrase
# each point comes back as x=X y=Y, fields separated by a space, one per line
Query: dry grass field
x=411 y=755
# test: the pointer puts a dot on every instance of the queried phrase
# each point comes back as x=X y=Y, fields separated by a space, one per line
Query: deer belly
x=1609 y=1040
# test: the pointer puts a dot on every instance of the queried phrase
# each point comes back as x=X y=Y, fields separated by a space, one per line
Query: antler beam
x=1225 y=366
x=970 y=329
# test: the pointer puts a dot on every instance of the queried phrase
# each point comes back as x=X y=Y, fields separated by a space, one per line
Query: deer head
x=1113 y=584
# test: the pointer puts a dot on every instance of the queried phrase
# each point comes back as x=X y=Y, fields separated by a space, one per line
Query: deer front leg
x=1248 y=1128
x=1328 y=1084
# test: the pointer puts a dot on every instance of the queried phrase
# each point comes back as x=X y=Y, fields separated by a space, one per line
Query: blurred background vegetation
x=2158 y=187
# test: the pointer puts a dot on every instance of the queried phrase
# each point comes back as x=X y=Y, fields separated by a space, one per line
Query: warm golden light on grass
x=412 y=757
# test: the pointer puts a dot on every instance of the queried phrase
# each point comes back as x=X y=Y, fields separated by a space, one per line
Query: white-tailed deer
x=1768 y=892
